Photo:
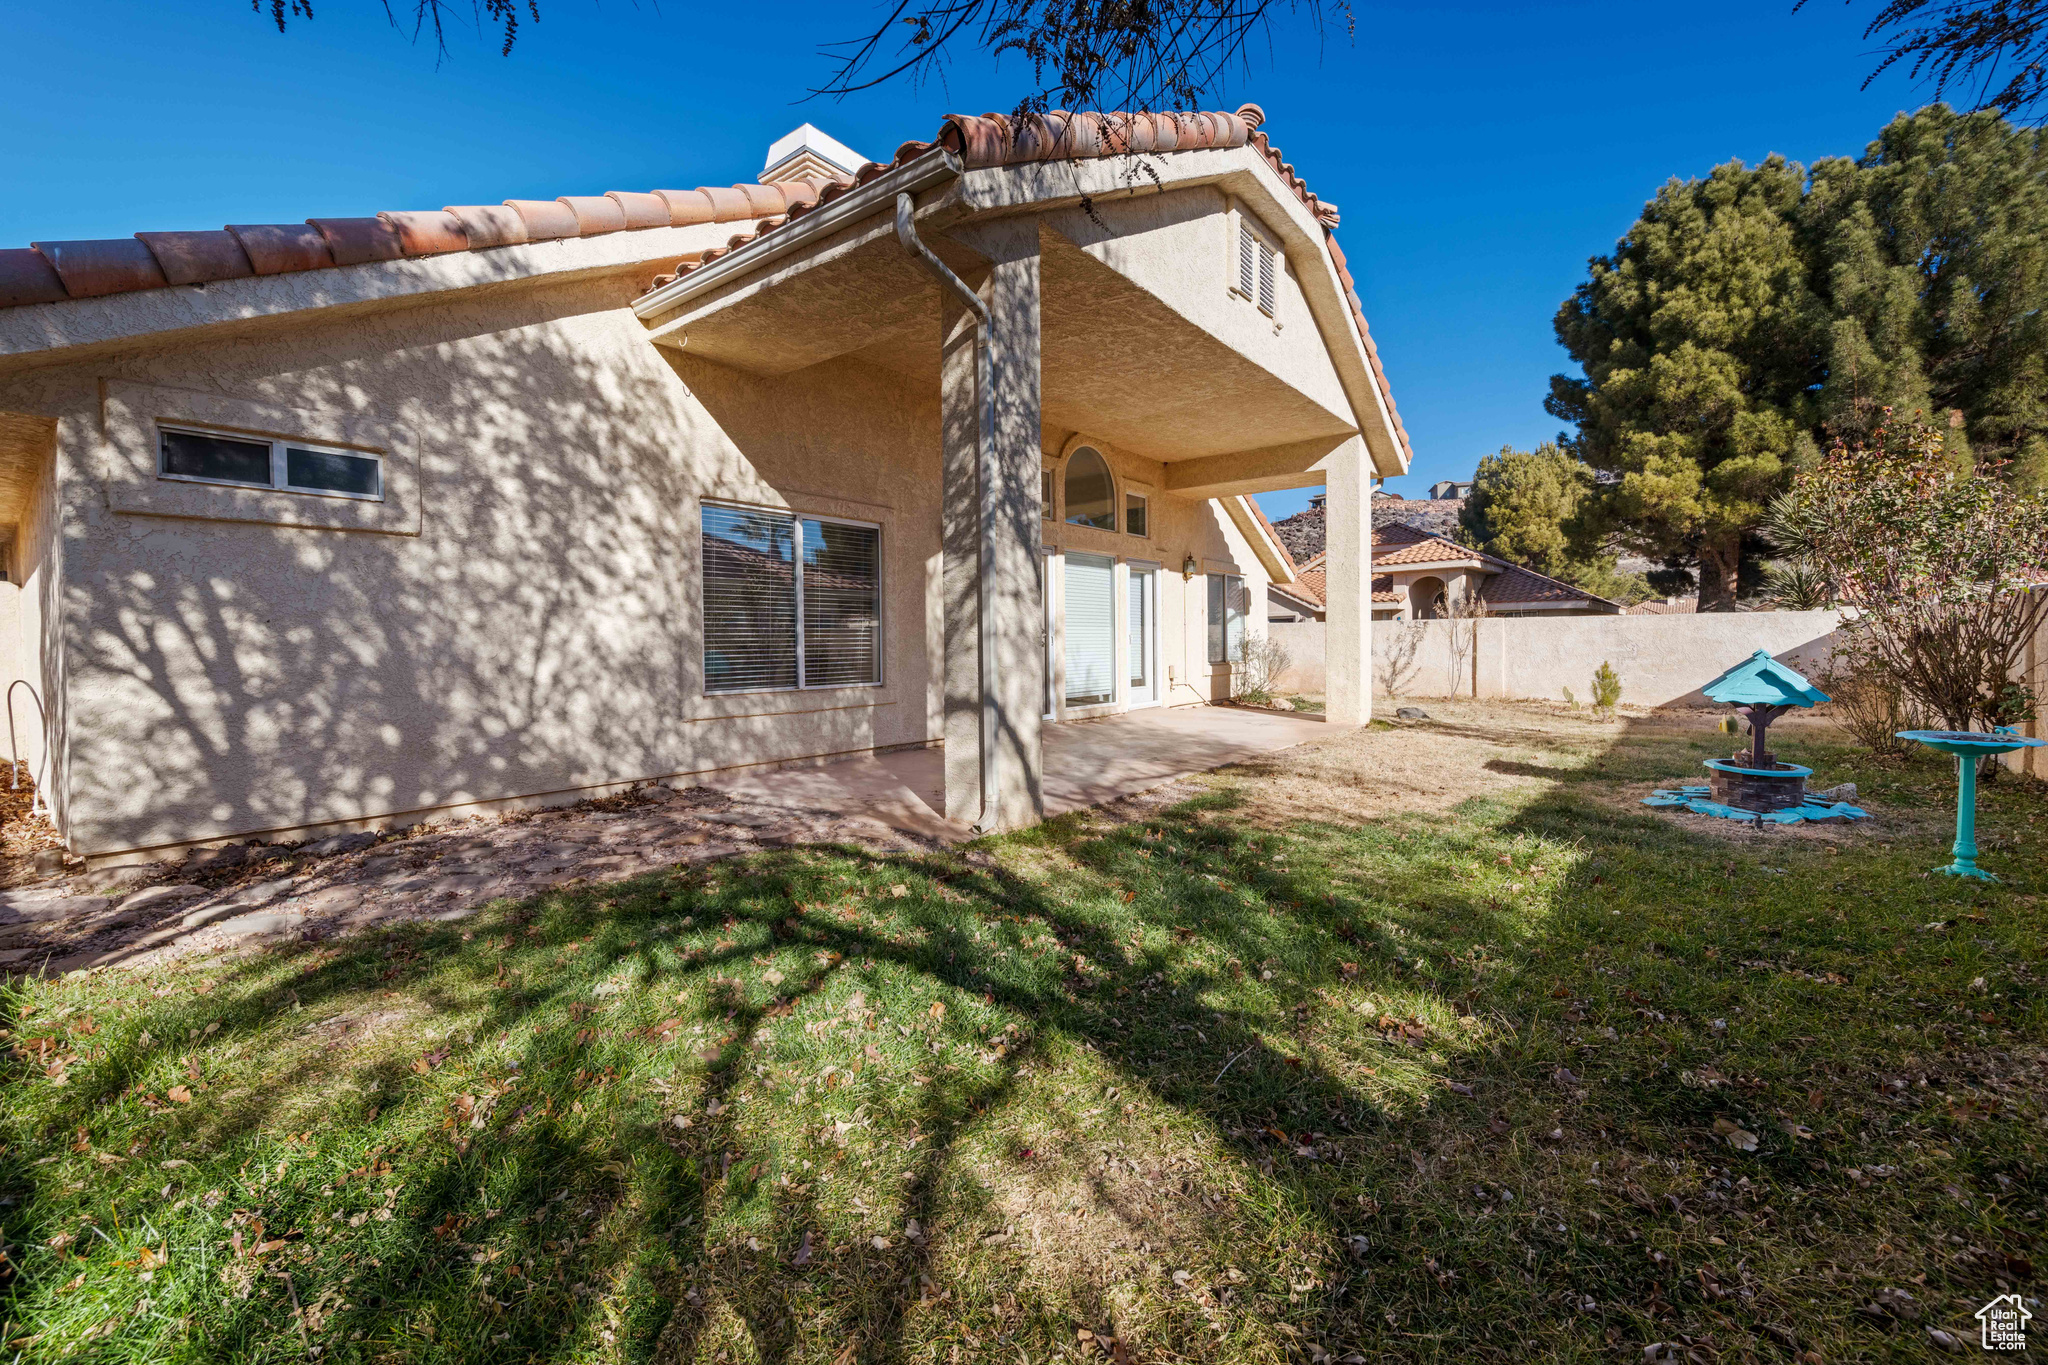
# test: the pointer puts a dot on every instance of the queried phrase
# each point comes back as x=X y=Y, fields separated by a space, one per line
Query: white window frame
x=1244 y=634
x=1143 y=495
x=278 y=464
x=798 y=518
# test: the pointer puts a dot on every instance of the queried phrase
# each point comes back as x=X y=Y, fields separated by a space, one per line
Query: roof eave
x=878 y=195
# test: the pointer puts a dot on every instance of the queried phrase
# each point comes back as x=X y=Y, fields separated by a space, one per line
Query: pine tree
x=1750 y=317
x=1539 y=508
x=1703 y=343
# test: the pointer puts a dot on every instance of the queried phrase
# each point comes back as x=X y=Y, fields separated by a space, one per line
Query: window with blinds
x=1228 y=607
x=1091 y=630
x=1258 y=266
x=789 y=601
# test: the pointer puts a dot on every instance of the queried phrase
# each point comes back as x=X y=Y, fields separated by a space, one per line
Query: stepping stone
x=161 y=897
x=262 y=922
x=17 y=907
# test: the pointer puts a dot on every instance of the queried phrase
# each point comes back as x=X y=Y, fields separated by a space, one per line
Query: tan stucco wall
x=2033 y=672
x=1662 y=660
x=1304 y=643
x=534 y=632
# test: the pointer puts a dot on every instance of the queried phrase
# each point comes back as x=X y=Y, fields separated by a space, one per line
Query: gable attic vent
x=1257 y=266
x=808 y=154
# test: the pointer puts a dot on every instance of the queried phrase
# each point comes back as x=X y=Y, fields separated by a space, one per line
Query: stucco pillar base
x=1004 y=515
x=1348 y=585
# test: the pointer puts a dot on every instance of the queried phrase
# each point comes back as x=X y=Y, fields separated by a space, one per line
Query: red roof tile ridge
x=51 y=272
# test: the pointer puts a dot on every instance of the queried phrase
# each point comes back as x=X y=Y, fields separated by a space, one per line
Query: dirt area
x=247 y=894
x=244 y=895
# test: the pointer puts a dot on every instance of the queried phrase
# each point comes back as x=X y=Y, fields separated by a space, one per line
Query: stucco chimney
x=808 y=154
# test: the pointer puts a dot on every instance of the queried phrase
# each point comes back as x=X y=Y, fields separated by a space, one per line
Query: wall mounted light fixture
x=1187 y=568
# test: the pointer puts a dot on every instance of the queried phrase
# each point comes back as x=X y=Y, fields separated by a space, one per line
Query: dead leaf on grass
x=1736 y=1136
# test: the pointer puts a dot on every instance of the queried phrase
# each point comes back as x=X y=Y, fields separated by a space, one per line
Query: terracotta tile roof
x=1509 y=585
x=50 y=272
x=1517 y=586
x=998 y=140
x=1398 y=544
x=1657 y=606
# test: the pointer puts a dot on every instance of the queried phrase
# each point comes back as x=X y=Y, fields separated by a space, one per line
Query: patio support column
x=1348 y=592
x=990 y=525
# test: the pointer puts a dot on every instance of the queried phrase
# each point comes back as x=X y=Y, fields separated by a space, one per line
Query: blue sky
x=1480 y=151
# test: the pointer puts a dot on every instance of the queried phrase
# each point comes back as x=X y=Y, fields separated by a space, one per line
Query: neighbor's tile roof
x=1517 y=586
x=1398 y=544
x=49 y=272
x=1059 y=135
x=1509 y=585
x=1312 y=578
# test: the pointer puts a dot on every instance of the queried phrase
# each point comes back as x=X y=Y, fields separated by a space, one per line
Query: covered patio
x=1087 y=763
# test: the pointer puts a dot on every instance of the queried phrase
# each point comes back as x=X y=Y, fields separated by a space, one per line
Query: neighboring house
x=368 y=519
x=1417 y=575
x=1451 y=490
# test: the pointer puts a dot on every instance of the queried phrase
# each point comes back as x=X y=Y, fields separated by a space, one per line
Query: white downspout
x=906 y=233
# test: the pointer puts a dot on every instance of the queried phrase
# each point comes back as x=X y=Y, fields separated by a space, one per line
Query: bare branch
x=1998 y=49
x=1142 y=55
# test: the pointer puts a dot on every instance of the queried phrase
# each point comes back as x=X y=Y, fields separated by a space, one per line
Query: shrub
x=1867 y=703
x=1257 y=679
x=1606 y=687
x=1940 y=562
x=1395 y=665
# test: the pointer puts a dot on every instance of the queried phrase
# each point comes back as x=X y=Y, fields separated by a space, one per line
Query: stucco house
x=371 y=519
x=1417 y=576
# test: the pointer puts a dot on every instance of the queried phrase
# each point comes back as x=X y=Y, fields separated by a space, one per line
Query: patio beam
x=1299 y=464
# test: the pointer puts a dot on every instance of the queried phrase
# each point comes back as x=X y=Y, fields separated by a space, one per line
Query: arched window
x=1091 y=493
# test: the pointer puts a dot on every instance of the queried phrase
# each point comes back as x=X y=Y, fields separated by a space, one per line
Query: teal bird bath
x=1968 y=746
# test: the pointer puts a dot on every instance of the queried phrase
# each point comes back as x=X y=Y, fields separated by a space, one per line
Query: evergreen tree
x=1703 y=344
x=1748 y=318
x=1540 y=509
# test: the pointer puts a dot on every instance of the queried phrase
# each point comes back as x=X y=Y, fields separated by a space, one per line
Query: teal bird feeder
x=1968 y=746
x=1760 y=689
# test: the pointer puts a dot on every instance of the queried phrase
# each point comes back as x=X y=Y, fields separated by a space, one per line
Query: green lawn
x=1539 y=1076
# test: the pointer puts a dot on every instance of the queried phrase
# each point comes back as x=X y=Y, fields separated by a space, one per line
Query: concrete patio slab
x=1089 y=762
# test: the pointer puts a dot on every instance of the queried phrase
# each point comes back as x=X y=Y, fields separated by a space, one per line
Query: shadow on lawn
x=643 y=1191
